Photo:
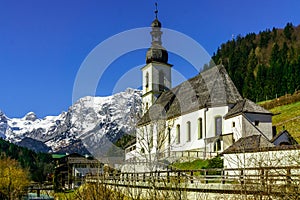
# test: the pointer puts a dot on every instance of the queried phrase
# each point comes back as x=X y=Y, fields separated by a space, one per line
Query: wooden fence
x=230 y=181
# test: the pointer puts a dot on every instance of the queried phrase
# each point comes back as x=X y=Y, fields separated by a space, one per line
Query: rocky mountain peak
x=31 y=116
x=85 y=123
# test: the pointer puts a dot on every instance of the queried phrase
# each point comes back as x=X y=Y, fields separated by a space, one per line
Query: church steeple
x=156 y=52
x=157 y=71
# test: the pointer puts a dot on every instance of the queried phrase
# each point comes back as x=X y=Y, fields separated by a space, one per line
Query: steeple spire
x=156 y=11
x=156 y=52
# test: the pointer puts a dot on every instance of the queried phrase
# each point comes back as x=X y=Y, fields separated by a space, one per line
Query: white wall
x=195 y=143
x=277 y=159
x=264 y=125
x=237 y=130
x=153 y=70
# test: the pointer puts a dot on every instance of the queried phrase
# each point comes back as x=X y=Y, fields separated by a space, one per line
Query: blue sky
x=43 y=43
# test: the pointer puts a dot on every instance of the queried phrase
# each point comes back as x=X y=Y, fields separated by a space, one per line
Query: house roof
x=246 y=106
x=212 y=87
x=248 y=144
x=58 y=156
x=284 y=136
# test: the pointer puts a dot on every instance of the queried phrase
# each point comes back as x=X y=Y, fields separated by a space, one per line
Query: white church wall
x=195 y=143
x=211 y=115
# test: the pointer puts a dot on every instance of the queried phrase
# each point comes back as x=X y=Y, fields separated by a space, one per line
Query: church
x=199 y=118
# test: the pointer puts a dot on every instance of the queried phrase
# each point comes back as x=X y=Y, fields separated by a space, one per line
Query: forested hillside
x=265 y=65
x=39 y=165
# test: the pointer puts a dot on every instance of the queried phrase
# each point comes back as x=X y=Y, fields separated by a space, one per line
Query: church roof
x=212 y=87
x=246 y=106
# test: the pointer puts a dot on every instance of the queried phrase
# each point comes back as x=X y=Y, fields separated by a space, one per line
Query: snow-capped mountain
x=90 y=122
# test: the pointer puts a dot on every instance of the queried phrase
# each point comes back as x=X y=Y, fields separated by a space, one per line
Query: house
x=71 y=170
x=201 y=117
x=256 y=152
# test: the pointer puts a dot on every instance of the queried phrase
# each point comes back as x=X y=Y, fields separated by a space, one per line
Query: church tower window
x=161 y=80
x=147 y=80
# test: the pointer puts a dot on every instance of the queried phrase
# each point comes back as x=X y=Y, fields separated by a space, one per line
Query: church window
x=200 y=129
x=188 y=131
x=161 y=80
x=178 y=134
x=147 y=80
x=218 y=125
x=233 y=124
x=147 y=106
x=256 y=122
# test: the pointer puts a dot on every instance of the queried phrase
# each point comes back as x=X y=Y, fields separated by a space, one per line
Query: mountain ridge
x=89 y=117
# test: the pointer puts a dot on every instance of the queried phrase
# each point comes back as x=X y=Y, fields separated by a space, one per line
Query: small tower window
x=233 y=124
x=147 y=80
x=161 y=81
x=147 y=106
x=256 y=122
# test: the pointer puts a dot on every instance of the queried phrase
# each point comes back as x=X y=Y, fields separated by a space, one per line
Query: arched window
x=200 y=130
x=178 y=134
x=218 y=125
x=147 y=80
x=169 y=136
x=161 y=80
x=188 y=131
x=217 y=145
x=147 y=106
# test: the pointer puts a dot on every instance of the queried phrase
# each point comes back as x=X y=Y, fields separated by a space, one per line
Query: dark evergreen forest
x=39 y=165
x=264 y=65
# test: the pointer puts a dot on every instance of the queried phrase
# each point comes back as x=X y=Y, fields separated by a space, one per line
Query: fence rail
x=231 y=181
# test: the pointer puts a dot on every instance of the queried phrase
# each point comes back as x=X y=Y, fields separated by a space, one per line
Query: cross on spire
x=156 y=11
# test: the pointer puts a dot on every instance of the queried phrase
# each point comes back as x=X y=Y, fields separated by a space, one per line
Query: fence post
x=242 y=177
x=288 y=175
x=223 y=176
x=168 y=176
x=192 y=176
x=205 y=176
x=262 y=173
x=178 y=176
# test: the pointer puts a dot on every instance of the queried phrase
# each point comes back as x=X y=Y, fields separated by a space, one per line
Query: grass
x=288 y=116
x=64 y=195
x=194 y=165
